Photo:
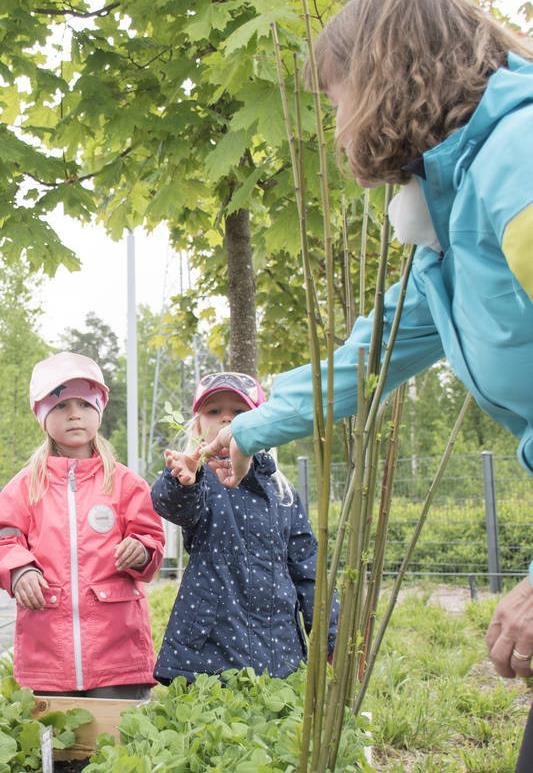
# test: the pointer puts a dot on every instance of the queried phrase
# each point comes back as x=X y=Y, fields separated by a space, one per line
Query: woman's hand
x=510 y=633
x=130 y=554
x=227 y=460
x=28 y=591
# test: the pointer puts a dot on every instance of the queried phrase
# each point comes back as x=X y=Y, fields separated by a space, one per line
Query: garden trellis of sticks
x=330 y=695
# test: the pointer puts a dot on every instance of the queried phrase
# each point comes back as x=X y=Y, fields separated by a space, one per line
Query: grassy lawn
x=437 y=704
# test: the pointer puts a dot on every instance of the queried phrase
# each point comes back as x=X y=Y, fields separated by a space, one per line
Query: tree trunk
x=241 y=294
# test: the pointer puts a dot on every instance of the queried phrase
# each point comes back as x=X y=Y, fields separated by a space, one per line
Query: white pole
x=131 y=361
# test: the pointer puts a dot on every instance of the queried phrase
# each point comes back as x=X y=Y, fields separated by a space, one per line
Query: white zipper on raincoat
x=74 y=575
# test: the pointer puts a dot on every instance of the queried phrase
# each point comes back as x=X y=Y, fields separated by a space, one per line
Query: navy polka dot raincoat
x=251 y=572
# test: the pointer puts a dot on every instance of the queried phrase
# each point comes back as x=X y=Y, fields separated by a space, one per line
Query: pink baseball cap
x=247 y=387
x=63 y=376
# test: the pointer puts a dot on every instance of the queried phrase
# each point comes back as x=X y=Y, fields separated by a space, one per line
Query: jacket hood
x=264 y=463
x=446 y=164
x=59 y=467
x=508 y=89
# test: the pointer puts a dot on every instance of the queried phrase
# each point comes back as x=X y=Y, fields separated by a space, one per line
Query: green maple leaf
x=262 y=108
x=211 y=16
x=260 y=26
x=284 y=232
x=226 y=154
x=241 y=198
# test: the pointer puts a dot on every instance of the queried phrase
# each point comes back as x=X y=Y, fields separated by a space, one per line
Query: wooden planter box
x=106 y=713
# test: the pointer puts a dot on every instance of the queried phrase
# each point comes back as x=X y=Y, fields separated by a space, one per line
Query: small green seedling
x=173 y=418
x=176 y=421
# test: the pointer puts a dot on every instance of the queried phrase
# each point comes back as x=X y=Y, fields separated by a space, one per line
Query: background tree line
x=431 y=407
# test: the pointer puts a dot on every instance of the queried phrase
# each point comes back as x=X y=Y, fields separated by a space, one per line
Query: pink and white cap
x=63 y=376
x=247 y=387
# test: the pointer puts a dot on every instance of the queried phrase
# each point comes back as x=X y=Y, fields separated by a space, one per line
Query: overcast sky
x=101 y=285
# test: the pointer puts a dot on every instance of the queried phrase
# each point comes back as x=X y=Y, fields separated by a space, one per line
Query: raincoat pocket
x=299 y=628
x=116 y=624
x=203 y=618
x=40 y=634
x=52 y=596
x=113 y=591
x=52 y=600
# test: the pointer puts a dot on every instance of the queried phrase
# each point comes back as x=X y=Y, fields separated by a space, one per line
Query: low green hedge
x=453 y=541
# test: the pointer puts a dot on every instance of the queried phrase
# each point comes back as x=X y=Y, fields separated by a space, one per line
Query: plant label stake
x=46 y=750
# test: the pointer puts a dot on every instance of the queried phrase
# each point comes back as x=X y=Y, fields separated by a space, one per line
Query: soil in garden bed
x=70 y=766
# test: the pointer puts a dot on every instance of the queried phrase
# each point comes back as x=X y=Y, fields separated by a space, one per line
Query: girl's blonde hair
x=413 y=71
x=37 y=464
x=189 y=442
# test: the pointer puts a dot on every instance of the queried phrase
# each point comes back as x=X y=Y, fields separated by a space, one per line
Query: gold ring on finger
x=518 y=655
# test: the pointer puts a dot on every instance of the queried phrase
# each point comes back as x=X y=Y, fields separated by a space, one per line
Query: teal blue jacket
x=471 y=302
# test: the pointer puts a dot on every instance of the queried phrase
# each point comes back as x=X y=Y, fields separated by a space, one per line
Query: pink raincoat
x=94 y=630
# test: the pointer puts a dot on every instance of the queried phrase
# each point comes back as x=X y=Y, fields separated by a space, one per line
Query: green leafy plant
x=173 y=418
x=64 y=724
x=239 y=721
x=176 y=421
x=20 y=733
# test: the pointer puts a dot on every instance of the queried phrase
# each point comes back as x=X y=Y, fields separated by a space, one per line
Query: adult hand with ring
x=518 y=655
x=231 y=469
x=510 y=633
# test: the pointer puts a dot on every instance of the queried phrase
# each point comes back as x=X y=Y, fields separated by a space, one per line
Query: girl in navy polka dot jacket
x=251 y=572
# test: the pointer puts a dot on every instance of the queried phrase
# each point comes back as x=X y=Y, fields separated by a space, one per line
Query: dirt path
x=454 y=599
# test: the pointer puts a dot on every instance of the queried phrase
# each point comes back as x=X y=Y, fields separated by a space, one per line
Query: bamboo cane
x=354 y=574
x=354 y=638
x=362 y=254
x=322 y=617
x=337 y=692
x=374 y=354
x=407 y=558
x=374 y=583
x=391 y=341
x=348 y=289
x=296 y=153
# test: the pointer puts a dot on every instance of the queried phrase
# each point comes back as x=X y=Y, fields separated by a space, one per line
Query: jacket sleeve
x=15 y=523
x=142 y=523
x=288 y=414
x=179 y=504
x=302 y=555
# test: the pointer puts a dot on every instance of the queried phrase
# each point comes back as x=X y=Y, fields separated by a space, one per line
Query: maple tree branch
x=69 y=10
x=79 y=178
x=150 y=61
x=283 y=287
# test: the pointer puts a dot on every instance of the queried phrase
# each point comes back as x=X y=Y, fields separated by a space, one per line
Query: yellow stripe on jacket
x=517 y=246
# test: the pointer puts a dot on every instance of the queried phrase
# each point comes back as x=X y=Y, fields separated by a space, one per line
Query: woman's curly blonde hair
x=414 y=71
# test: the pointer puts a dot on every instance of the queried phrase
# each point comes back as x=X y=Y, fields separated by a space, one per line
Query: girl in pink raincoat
x=78 y=538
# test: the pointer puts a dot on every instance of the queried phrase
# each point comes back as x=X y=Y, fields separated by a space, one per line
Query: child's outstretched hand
x=28 y=591
x=183 y=466
x=130 y=554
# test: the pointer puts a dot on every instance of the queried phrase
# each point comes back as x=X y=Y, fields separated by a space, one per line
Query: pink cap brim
x=198 y=403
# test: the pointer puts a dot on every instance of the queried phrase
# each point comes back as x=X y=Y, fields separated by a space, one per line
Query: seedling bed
x=106 y=713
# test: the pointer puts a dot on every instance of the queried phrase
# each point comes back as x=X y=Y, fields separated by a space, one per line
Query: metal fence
x=479 y=525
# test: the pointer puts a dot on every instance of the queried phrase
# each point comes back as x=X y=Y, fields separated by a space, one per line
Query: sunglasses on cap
x=244 y=385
